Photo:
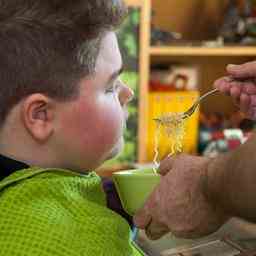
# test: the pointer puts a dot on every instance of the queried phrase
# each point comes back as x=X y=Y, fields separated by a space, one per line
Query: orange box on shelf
x=172 y=102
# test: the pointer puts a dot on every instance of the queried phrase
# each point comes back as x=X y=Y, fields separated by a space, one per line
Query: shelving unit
x=203 y=51
x=212 y=61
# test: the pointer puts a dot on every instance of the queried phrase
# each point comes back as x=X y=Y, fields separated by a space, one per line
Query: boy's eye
x=113 y=88
x=110 y=89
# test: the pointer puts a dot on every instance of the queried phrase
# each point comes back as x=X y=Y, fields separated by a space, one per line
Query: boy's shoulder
x=51 y=183
x=39 y=172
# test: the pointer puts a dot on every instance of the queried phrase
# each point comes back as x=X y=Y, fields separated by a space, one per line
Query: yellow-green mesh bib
x=53 y=212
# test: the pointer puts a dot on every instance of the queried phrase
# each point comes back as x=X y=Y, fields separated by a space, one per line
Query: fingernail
x=232 y=66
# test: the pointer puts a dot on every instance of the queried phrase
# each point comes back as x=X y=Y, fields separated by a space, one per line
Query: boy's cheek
x=107 y=136
x=99 y=126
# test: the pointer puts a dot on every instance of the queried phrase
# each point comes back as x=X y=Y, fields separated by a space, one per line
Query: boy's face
x=90 y=129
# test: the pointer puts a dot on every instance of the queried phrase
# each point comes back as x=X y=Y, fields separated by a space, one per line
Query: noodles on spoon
x=173 y=126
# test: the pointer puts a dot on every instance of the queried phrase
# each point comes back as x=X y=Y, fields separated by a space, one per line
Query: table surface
x=241 y=232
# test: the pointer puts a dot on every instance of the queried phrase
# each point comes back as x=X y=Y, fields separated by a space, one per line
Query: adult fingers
x=142 y=218
x=253 y=101
x=249 y=88
x=166 y=165
x=244 y=103
x=156 y=230
x=235 y=87
x=235 y=92
x=252 y=113
x=223 y=85
x=246 y=70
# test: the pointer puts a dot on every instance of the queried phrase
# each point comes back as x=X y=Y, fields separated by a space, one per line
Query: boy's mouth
x=124 y=124
x=126 y=116
x=126 y=113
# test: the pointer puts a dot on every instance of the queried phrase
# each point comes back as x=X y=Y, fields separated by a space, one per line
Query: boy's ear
x=38 y=116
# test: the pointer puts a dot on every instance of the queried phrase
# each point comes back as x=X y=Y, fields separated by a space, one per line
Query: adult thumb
x=246 y=70
x=166 y=165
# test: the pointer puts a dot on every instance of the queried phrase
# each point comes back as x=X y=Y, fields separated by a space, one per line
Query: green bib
x=54 y=212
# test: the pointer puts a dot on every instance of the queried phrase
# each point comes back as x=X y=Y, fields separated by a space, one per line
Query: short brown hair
x=47 y=46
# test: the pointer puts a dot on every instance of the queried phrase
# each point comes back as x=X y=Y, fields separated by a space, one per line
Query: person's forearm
x=231 y=181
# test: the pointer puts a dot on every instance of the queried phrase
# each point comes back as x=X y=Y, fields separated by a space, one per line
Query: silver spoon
x=192 y=109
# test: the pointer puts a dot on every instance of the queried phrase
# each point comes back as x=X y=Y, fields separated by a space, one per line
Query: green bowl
x=134 y=186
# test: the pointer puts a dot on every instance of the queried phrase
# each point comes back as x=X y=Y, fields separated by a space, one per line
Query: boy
x=63 y=111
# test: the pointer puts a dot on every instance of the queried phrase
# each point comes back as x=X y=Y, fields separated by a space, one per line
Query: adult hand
x=241 y=85
x=179 y=203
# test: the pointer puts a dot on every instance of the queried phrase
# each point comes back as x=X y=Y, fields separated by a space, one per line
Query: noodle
x=156 y=143
x=173 y=125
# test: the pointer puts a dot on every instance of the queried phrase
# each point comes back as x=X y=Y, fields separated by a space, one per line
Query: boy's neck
x=17 y=144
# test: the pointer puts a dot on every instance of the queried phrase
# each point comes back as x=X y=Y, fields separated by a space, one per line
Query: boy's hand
x=241 y=85
x=179 y=204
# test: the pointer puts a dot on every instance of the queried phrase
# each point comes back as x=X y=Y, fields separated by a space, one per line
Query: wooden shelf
x=136 y=3
x=169 y=16
x=203 y=51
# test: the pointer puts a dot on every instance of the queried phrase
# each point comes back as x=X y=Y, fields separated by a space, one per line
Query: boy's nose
x=126 y=94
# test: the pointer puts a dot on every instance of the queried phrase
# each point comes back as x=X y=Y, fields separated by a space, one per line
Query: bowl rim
x=135 y=172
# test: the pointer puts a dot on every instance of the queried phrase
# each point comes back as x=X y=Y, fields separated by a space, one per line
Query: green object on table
x=54 y=212
x=134 y=186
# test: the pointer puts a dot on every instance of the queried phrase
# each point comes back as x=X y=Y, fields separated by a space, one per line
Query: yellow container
x=172 y=102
